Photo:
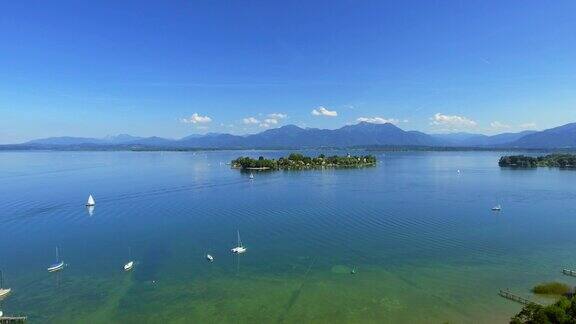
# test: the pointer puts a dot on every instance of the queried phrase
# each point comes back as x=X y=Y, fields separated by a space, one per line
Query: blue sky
x=173 y=68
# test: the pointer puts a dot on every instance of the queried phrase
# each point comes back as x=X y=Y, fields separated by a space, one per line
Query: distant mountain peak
x=360 y=134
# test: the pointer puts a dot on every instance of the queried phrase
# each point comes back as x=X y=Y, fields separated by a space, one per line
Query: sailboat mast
x=57 y=255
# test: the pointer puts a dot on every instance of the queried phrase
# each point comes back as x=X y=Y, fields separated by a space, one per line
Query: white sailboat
x=59 y=265
x=251 y=176
x=240 y=248
x=128 y=266
x=497 y=208
x=91 y=201
x=3 y=291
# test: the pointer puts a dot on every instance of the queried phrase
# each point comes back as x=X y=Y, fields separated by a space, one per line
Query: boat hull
x=4 y=292
x=128 y=266
x=56 y=267
x=238 y=250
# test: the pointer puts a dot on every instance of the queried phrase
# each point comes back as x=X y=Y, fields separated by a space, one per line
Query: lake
x=424 y=243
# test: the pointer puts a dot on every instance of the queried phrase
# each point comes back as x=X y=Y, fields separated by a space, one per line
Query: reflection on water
x=420 y=234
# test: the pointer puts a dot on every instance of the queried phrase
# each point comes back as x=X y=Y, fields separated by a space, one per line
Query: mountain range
x=291 y=136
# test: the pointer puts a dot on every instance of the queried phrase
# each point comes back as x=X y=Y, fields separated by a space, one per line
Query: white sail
x=91 y=201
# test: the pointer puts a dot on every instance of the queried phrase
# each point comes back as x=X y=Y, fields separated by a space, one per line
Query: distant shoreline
x=23 y=148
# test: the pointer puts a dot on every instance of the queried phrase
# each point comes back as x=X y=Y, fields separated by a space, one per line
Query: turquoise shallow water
x=422 y=237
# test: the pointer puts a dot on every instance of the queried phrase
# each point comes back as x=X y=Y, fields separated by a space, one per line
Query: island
x=551 y=160
x=297 y=161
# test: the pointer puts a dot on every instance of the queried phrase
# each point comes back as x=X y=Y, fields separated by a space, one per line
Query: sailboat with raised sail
x=91 y=202
x=3 y=291
x=128 y=266
x=58 y=265
x=239 y=249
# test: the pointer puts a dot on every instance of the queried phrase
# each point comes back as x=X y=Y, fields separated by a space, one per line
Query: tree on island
x=297 y=161
x=551 y=160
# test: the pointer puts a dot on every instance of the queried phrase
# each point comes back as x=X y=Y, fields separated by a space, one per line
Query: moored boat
x=91 y=201
x=240 y=248
x=128 y=266
x=58 y=265
x=3 y=291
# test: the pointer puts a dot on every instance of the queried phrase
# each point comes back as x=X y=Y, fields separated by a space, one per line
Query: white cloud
x=265 y=123
x=250 y=121
x=527 y=126
x=498 y=125
x=378 y=120
x=196 y=119
x=277 y=116
x=452 y=122
x=322 y=111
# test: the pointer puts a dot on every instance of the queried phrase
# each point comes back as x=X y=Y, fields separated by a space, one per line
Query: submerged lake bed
x=419 y=235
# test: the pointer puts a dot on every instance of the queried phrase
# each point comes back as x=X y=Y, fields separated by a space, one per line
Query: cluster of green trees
x=551 y=288
x=552 y=160
x=563 y=312
x=297 y=161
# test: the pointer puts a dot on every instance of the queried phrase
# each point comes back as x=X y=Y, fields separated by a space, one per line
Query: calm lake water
x=425 y=245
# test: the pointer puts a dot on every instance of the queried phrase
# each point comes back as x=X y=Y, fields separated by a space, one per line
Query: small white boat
x=128 y=266
x=56 y=266
x=59 y=265
x=251 y=176
x=497 y=208
x=3 y=291
x=240 y=248
x=209 y=258
x=91 y=201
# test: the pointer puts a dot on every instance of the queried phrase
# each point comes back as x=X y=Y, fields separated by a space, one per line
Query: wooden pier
x=12 y=319
x=508 y=295
x=569 y=272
